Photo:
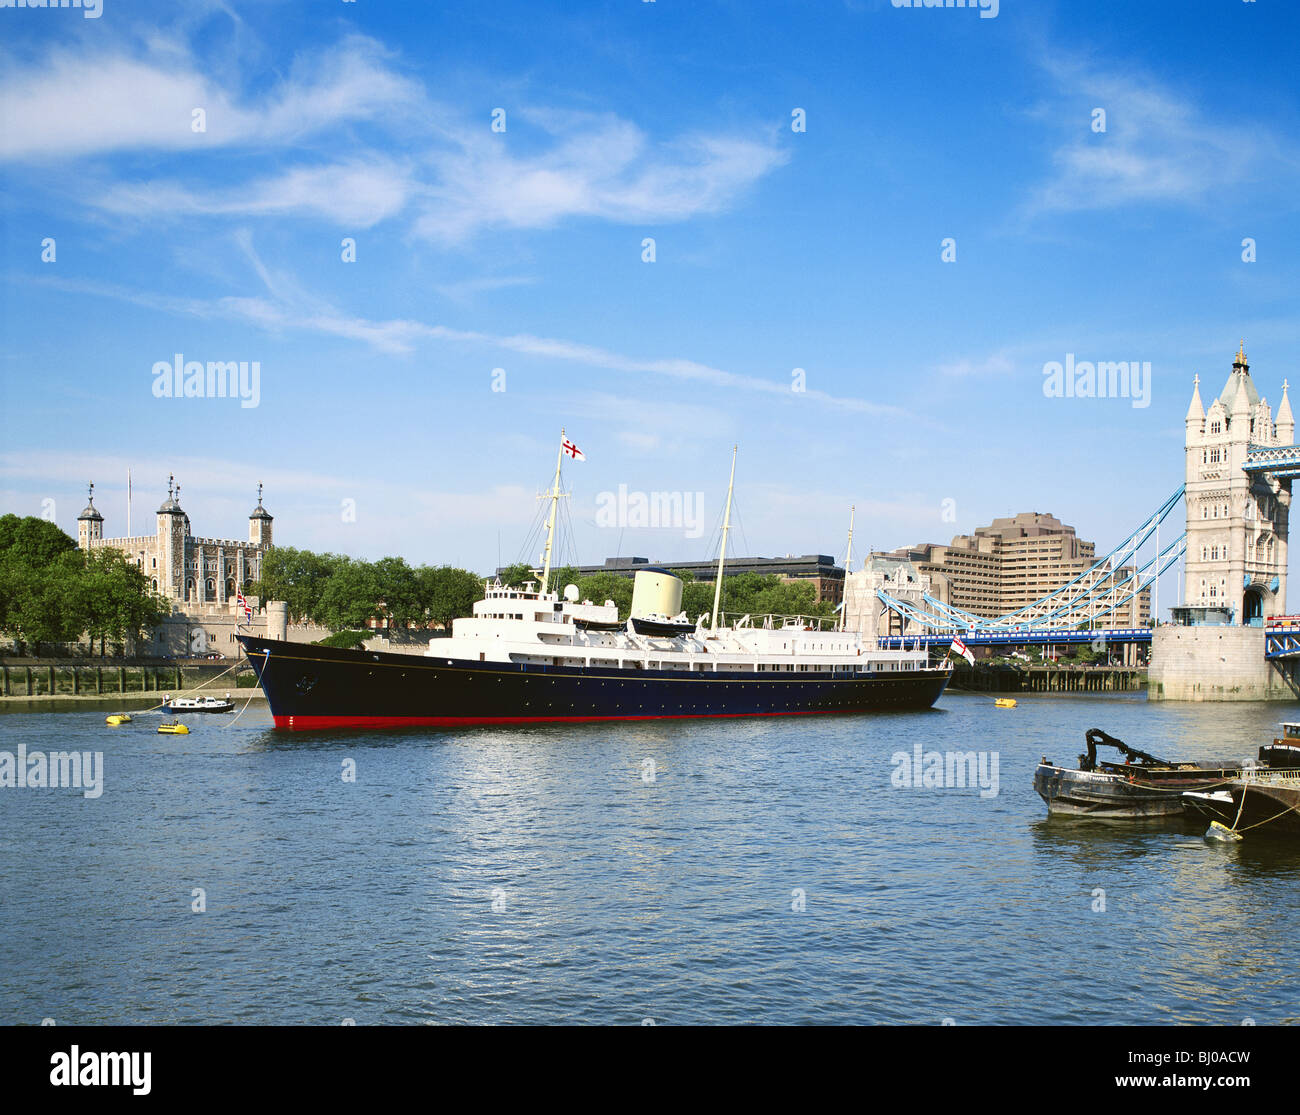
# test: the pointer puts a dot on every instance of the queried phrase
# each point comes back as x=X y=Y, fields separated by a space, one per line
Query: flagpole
x=722 y=555
x=128 y=504
x=550 y=524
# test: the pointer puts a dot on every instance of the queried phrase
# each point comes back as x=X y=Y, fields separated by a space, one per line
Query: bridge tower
x=1237 y=518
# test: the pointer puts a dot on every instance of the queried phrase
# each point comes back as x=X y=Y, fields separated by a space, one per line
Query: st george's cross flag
x=566 y=446
x=958 y=647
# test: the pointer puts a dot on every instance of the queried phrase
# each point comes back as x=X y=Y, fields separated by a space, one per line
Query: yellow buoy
x=118 y=718
x=1005 y=702
x=174 y=729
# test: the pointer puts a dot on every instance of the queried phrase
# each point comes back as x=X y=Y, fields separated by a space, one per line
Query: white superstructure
x=524 y=625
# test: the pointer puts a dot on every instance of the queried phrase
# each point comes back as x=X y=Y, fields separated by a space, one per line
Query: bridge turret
x=1195 y=411
x=1285 y=421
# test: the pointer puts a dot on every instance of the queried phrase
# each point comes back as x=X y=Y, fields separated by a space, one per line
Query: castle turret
x=173 y=526
x=90 y=523
x=259 y=523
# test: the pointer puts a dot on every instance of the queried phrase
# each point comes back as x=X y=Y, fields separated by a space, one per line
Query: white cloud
x=1157 y=147
x=598 y=166
x=354 y=194
x=73 y=105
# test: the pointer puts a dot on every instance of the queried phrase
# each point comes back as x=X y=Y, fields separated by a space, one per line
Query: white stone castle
x=1236 y=521
x=191 y=572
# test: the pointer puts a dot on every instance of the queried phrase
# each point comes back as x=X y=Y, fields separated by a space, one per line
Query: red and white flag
x=958 y=647
x=566 y=446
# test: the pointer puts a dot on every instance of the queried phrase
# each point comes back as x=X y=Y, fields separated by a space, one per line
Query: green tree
x=115 y=601
x=448 y=593
x=517 y=575
x=351 y=596
x=31 y=541
x=298 y=577
x=399 y=592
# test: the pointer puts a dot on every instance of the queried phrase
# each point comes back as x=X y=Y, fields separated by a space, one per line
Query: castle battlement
x=192 y=572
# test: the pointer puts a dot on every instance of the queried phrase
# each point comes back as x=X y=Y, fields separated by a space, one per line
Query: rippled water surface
x=537 y=876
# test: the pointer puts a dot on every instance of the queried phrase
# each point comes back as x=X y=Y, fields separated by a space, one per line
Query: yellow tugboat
x=172 y=728
x=118 y=718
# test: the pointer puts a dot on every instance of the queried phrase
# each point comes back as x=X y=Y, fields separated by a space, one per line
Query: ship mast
x=848 y=568
x=722 y=556
x=550 y=523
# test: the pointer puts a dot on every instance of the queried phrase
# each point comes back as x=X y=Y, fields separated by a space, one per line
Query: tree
x=518 y=575
x=351 y=596
x=298 y=577
x=448 y=593
x=33 y=542
x=116 y=601
x=399 y=592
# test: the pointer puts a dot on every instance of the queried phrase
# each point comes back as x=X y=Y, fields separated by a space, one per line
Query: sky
x=844 y=236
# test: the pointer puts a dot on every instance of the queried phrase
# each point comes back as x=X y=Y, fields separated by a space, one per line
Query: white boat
x=198 y=704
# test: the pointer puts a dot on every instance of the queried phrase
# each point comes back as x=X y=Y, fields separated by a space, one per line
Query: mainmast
x=848 y=568
x=722 y=556
x=550 y=523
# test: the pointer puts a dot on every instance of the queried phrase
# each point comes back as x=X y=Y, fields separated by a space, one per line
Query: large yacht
x=532 y=655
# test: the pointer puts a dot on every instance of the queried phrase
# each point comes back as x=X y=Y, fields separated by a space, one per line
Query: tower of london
x=191 y=572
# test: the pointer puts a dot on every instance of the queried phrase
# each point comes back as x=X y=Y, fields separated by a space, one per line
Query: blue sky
x=521 y=250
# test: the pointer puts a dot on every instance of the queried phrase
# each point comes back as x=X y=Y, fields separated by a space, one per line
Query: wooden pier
x=1048 y=679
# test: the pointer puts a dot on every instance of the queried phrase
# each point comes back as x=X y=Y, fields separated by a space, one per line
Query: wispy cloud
x=76 y=104
x=1158 y=146
x=288 y=307
x=449 y=173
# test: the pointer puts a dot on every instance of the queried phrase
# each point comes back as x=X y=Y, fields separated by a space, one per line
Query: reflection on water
x=737 y=871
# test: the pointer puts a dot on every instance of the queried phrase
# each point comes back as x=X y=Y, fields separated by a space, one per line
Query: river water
x=765 y=871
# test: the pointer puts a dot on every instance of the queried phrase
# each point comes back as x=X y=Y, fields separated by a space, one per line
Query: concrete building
x=1013 y=562
x=189 y=571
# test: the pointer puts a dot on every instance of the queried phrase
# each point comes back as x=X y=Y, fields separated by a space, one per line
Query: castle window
x=1214 y=427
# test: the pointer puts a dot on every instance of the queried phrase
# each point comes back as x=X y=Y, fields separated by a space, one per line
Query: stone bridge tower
x=1237 y=520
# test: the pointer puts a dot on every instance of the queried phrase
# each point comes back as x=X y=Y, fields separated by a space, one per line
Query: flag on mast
x=958 y=647
x=567 y=447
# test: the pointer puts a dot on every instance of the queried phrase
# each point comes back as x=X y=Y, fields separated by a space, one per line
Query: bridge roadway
x=1029 y=636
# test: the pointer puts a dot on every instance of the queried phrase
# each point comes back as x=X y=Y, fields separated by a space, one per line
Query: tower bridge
x=1230 y=637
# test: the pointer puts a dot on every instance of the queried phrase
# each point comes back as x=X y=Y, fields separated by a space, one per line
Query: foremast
x=722 y=556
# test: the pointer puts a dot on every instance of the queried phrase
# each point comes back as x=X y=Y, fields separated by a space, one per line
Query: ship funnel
x=656 y=592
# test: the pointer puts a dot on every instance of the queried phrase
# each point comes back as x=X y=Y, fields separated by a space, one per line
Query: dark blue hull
x=310 y=687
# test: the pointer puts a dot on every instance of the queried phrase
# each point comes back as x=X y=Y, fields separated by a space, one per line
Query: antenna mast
x=550 y=523
x=722 y=556
x=848 y=568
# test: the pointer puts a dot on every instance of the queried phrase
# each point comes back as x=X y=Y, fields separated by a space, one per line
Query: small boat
x=661 y=627
x=1139 y=787
x=172 y=728
x=1005 y=702
x=197 y=704
x=118 y=718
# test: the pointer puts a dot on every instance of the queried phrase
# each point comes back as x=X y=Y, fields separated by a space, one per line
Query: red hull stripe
x=312 y=723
